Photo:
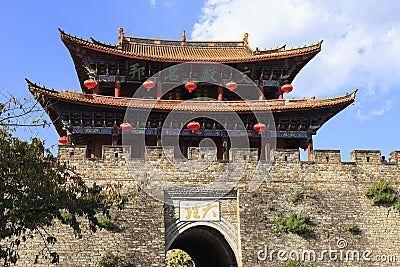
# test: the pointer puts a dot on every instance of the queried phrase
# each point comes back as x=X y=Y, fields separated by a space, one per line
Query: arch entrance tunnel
x=206 y=246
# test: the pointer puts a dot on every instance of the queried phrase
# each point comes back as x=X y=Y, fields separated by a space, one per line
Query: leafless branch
x=13 y=109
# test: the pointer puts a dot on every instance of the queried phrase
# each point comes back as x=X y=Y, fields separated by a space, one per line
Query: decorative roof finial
x=246 y=38
x=121 y=35
x=183 y=36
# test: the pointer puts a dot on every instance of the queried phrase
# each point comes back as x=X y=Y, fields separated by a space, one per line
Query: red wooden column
x=309 y=148
x=280 y=93
x=266 y=151
x=220 y=93
x=117 y=88
x=159 y=91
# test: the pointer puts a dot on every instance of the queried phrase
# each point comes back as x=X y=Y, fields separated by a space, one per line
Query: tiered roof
x=186 y=51
x=278 y=66
x=275 y=105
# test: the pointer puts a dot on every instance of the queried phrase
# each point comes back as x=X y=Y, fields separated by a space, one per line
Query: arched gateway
x=206 y=245
x=210 y=244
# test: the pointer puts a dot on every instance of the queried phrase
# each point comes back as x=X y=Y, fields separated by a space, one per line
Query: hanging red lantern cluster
x=260 y=127
x=90 y=84
x=193 y=126
x=126 y=127
x=149 y=84
x=231 y=85
x=63 y=140
x=287 y=88
x=190 y=86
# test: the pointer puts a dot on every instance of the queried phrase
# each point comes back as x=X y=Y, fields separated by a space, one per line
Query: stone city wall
x=332 y=195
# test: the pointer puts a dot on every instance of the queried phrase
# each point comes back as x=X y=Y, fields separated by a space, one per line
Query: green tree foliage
x=177 y=257
x=108 y=222
x=352 y=228
x=397 y=206
x=294 y=223
x=381 y=192
x=112 y=260
x=296 y=197
x=36 y=191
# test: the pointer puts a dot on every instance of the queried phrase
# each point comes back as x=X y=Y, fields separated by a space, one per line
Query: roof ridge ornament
x=183 y=36
x=246 y=38
x=121 y=35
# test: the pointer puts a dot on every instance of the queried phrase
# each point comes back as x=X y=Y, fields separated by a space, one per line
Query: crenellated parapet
x=287 y=155
x=202 y=153
x=326 y=156
x=366 y=156
x=395 y=157
x=78 y=153
x=111 y=167
x=241 y=155
x=202 y=168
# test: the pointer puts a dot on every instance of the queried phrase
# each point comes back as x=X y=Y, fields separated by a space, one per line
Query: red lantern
x=193 y=126
x=63 y=140
x=259 y=127
x=90 y=84
x=126 y=127
x=231 y=85
x=149 y=84
x=287 y=88
x=190 y=86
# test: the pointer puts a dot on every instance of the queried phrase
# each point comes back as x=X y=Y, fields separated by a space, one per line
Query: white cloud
x=361 y=39
x=364 y=112
x=153 y=3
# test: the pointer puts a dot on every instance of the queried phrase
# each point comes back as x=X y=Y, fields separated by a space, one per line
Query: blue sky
x=361 y=49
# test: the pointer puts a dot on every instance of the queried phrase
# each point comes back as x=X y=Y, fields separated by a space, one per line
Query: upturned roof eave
x=274 y=105
x=109 y=49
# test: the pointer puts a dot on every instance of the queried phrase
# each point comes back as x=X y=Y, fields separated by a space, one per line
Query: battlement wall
x=120 y=153
x=202 y=167
x=332 y=195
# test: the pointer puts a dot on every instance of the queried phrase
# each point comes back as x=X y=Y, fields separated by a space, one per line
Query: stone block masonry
x=332 y=195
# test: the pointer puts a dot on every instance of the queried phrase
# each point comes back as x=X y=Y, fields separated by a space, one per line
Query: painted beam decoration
x=186 y=132
x=289 y=134
x=199 y=211
x=91 y=130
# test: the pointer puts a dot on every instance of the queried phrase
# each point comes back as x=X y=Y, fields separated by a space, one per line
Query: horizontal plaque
x=199 y=211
